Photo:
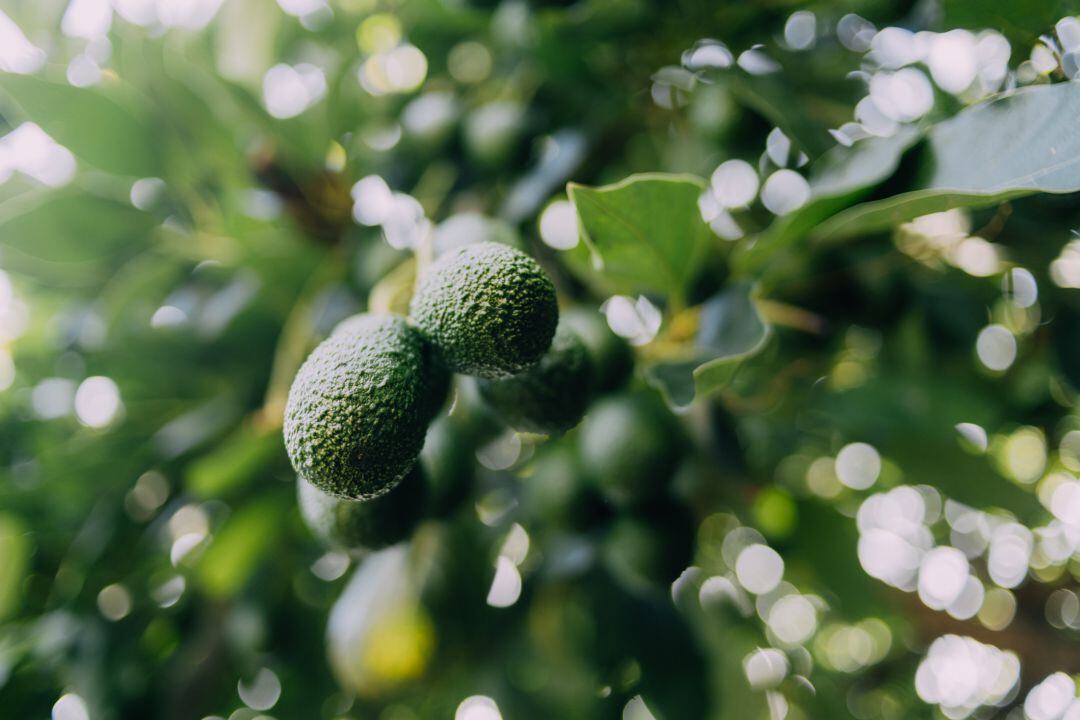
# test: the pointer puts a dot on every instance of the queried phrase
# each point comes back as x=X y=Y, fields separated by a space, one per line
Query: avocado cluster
x=373 y=457
x=360 y=407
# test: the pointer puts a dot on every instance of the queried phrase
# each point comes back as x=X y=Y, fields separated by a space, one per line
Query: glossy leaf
x=837 y=181
x=1011 y=146
x=643 y=234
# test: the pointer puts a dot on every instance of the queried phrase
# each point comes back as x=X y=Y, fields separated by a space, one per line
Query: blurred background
x=878 y=517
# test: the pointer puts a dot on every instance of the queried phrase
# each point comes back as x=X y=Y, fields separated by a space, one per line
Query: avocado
x=449 y=464
x=630 y=445
x=651 y=546
x=362 y=525
x=491 y=309
x=359 y=407
x=557 y=493
x=549 y=397
x=612 y=357
x=440 y=377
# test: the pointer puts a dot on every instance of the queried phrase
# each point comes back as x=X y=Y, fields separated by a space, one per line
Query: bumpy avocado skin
x=611 y=355
x=362 y=525
x=359 y=407
x=551 y=396
x=491 y=309
x=438 y=381
x=631 y=446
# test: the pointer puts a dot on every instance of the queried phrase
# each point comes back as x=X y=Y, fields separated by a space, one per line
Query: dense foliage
x=817 y=288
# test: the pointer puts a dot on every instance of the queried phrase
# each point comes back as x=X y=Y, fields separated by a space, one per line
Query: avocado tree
x=410 y=359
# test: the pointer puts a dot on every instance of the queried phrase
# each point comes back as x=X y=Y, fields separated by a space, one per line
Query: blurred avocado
x=449 y=463
x=558 y=494
x=472 y=416
x=595 y=635
x=550 y=397
x=461 y=555
x=631 y=445
x=362 y=525
x=649 y=548
x=379 y=636
x=612 y=357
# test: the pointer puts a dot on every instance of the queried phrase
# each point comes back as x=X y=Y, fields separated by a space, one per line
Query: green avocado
x=612 y=357
x=551 y=396
x=631 y=445
x=449 y=464
x=650 y=547
x=557 y=494
x=491 y=309
x=359 y=525
x=359 y=407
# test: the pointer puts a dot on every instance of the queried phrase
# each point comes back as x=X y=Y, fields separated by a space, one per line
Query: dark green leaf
x=912 y=418
x=771 y=96
x=1017 y=144
x=837 y=181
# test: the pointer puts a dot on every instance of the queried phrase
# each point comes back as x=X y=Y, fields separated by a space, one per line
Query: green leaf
x=68 y=234
x=644 y=234
x=111 y=134
x=235 y=463
x=847 y=170
x=1018 y=144
x=1022 y=21
x=730 y=330
x=837 y=181
x=15 y=550
x=775 y=99
x=240 y=545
